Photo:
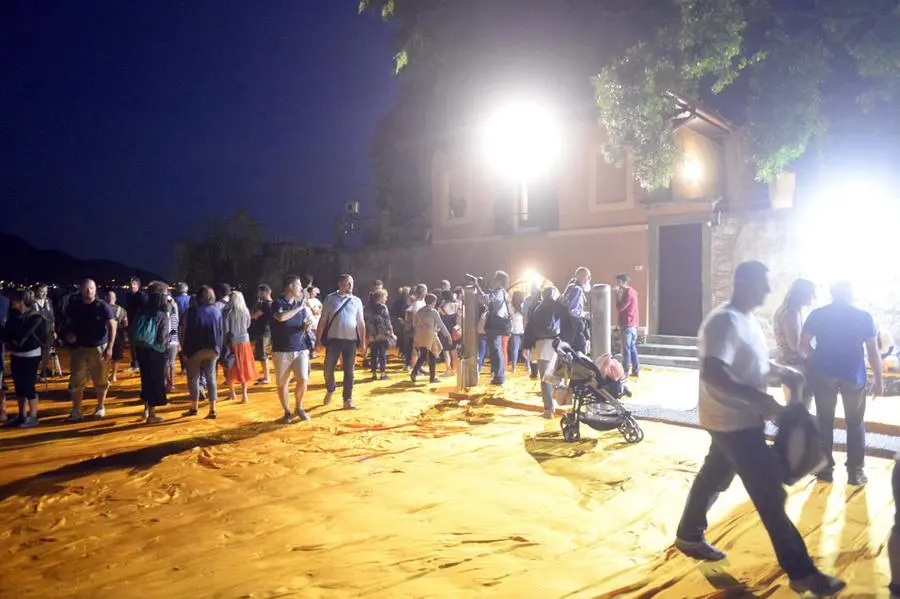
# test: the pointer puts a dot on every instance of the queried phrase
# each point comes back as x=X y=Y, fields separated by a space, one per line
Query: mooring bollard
x=601 y=320
x=467 y=375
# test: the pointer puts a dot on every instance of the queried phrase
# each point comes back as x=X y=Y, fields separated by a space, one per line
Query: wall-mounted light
x=692 y=170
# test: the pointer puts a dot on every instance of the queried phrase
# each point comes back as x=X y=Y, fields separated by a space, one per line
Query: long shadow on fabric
x=136 y=459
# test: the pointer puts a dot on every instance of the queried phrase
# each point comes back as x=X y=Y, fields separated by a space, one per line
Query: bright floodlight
x=692 y=170
x=846 y=232
x=534 y=279
x=522 y=140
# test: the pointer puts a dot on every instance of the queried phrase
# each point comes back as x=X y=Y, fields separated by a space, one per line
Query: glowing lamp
x=692 y=170
x=522 y=140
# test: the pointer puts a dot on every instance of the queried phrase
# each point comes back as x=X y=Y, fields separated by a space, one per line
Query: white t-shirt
x=737 y=340
x=315 y=309
x=517 y=321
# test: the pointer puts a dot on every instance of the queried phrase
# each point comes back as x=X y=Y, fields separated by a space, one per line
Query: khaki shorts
x=286 y=363
x=88 y=361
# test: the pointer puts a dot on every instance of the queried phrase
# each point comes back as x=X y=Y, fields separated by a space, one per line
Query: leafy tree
x=787 y=69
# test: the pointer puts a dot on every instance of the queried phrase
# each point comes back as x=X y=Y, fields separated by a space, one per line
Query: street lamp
x=522 y=140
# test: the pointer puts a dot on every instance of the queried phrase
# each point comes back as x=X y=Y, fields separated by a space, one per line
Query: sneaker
x=819 y=584
x=29 y=422
x=99 y=413
x=549 y=415
x=385 y=377
x=434 y=380
x=825 y=476
x=302 y=415
x=328 y=397
x=857 y=477
x=412 y=376
x=15 y=422
x=701 y=550
x=288 y=418
x=348 y=404
x=211 y=416
x=75 y=416
x=191 y=412
x=374 y=377
x=154 y=419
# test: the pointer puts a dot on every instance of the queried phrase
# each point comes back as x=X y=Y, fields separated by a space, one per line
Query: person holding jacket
x=542 y=328
x=202 y=340
x=25 y=336
x=427 y=325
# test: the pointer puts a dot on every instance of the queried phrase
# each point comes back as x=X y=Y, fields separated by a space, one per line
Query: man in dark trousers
x=733 y=407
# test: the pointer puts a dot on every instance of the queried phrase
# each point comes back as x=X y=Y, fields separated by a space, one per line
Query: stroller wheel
x=570 y=429
x=631 y=431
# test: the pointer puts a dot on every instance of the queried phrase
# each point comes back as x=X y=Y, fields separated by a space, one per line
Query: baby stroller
x=595 y=399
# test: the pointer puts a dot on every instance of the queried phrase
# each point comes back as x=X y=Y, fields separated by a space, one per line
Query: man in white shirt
x=343 y=323
x=733 y=407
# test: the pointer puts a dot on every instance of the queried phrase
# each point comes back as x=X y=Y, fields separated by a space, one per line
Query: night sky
x=127 y=125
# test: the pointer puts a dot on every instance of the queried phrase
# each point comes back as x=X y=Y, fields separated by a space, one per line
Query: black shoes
x=701 y=550
x=857 y=477
x=819 y=584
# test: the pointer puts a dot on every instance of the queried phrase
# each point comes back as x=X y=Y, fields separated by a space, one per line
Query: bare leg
x=115 y=372
x=77 y=400
x=2 y=406
x=231 y=394
x=284 y=397
x=299 y=393
x=101 y=397
x=244 y=398
x=33 y=407
x=265 y=364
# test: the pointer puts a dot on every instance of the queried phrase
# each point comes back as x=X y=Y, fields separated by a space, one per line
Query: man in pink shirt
x=629 y=320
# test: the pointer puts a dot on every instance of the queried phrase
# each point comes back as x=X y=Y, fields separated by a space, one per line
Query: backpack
x=146 y=333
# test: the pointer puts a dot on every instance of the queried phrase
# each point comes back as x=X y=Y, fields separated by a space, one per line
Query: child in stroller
x=597 y=394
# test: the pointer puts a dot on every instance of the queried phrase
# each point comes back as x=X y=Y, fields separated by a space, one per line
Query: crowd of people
x=822 y=354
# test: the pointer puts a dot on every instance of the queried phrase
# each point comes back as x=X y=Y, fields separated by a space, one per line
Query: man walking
x=733 y=407
x=261 y=329
x=291 y=344
x=134 y=301
x=841 y=331
x=629 y=320
x=342 y=329
x=574 y=329
x=91 y=329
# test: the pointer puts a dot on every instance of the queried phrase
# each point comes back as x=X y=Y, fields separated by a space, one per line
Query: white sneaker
x=75 y=416
x=99 y=413
x=29 y=422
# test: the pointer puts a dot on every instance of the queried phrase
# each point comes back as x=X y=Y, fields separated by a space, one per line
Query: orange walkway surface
x=411 y=495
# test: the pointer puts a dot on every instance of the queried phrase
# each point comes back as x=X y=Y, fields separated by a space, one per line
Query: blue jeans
x=482 y=351
x=346 y=348
x=746 y=453
x=378 y=361
x=202 y=364
x=825 y=390
x=498 y=360
x=515 y=348
x=630 y=361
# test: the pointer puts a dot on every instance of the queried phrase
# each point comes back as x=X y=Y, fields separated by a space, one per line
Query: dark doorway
x=680 y=301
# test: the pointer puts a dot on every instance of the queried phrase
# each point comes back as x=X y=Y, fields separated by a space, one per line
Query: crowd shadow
x=136 y=460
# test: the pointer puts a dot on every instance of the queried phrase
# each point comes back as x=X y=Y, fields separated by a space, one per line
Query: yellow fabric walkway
x=412 y=495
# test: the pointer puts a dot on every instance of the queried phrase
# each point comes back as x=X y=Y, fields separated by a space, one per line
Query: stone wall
x=780 y=240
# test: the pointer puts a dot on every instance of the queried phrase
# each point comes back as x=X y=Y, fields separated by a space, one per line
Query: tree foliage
x=788 y=69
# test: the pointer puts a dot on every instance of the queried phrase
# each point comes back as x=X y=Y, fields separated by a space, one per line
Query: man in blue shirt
x=290 y=346
x=841 y=331
x=342 y=327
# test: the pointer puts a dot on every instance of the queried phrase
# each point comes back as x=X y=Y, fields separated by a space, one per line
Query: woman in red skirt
x=240 y=366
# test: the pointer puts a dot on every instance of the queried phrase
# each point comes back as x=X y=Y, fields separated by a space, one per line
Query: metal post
x=601 y=320
x=467 y=375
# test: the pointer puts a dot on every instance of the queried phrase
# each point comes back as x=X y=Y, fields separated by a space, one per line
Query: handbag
x=331 y=320
x=499 y=325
